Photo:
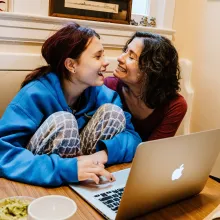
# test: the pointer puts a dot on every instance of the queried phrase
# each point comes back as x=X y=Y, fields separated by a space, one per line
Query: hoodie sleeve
x=19 y=164
x=122 y=147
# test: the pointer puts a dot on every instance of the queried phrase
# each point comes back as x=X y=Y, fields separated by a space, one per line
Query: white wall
x=197 y=25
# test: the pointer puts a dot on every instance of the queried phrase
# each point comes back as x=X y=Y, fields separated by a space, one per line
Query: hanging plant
x=2 y=2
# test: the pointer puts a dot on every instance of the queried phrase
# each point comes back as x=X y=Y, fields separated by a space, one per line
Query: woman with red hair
x=63 y=125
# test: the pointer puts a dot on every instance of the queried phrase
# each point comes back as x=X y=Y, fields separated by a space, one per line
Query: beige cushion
x=9 y=85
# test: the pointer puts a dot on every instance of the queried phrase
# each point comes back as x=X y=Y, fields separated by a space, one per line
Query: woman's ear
x=70 y=65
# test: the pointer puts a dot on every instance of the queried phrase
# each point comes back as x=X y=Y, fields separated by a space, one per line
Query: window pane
x=140 y=7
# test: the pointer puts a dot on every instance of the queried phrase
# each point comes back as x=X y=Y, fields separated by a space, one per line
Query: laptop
x=163 y=172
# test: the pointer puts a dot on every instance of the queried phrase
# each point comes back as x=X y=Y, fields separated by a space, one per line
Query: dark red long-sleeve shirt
x=163 y=122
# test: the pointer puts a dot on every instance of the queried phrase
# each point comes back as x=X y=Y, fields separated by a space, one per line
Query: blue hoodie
x=31 y=106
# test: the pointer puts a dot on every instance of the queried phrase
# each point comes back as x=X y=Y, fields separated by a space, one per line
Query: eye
x=131 y=56
x=98 y=57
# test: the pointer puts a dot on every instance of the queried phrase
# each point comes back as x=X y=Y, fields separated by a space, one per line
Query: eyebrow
x=100 y=51
x=131 y=51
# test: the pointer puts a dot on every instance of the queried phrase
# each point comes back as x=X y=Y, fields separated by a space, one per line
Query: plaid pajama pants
x=59 y=133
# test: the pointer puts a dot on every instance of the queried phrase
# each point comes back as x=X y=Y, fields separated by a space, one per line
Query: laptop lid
x=168 y=170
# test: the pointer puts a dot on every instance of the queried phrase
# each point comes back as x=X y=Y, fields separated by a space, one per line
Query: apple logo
x=177 y=173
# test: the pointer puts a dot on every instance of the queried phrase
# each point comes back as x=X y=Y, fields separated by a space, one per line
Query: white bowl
x=51 y=208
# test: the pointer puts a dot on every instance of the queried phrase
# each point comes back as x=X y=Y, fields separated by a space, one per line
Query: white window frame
x=163 y=11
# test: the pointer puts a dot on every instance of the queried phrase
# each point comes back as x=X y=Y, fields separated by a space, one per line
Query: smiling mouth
x=100 y=73
x=121 y=69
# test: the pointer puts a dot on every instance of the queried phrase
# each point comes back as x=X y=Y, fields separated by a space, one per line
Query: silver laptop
x=163 y=172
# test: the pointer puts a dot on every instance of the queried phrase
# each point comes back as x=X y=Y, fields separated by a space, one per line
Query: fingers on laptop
x=102 y=172
x=97 y=171
x=87 y=169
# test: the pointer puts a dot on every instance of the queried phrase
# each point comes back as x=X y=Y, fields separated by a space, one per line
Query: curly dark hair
x=159 y=62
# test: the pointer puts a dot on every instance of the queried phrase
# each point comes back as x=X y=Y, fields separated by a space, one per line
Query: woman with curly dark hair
x=147 y=80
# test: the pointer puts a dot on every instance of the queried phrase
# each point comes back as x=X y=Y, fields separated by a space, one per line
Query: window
x=140 y=7
x=162 y=10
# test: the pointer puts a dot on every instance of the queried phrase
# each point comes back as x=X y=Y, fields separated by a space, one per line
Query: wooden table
x=196 y=207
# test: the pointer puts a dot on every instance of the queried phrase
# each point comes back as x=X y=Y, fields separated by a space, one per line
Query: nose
x=105 y=64
x=121 y=58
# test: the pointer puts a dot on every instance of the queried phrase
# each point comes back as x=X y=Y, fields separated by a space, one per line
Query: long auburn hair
x=70 y=41
x=160 y=64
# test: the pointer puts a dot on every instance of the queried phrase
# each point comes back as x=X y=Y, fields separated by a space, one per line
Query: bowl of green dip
x=14 y=208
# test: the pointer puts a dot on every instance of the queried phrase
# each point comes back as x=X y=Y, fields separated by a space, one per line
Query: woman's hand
x=87 y=169
x=137 y=107
x=100 y=156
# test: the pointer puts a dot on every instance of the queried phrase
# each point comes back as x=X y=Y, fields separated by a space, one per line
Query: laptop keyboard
x=111 y=198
